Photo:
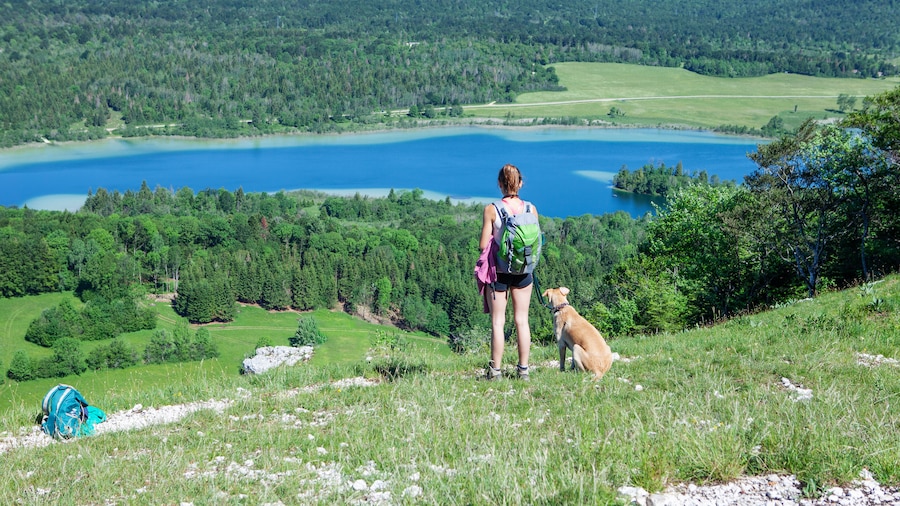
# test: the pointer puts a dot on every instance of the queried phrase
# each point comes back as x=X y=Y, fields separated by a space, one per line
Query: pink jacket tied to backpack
x=486 y=272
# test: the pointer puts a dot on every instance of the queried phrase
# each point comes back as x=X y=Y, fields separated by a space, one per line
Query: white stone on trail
x=800 y=393
x=139 y=417
x=766 y=490
x=135 y=418
x=868 y=360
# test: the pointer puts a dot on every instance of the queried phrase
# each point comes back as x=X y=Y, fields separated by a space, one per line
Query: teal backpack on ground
x=67 y=414
x=520 y=240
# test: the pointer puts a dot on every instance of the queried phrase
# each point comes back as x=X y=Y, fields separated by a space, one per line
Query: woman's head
x=509 y=180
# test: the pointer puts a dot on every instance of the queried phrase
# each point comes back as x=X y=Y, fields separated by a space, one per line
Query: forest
x=817 y=213
x=86 y=69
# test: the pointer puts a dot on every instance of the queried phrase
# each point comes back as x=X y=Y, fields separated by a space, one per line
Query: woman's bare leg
x=521 y=298
x=498 y=321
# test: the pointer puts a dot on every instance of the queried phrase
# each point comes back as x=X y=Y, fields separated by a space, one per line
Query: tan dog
x=589 y=351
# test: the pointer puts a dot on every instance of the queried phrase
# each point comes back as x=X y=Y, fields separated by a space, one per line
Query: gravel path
x=137 y=417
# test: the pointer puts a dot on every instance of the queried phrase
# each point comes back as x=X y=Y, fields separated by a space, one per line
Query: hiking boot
x=523 y=372
x=492 y=373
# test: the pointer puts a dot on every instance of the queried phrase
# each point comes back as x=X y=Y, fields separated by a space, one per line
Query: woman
x=515 y=286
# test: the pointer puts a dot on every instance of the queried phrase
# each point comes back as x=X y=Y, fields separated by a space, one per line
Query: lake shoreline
x=41 y=149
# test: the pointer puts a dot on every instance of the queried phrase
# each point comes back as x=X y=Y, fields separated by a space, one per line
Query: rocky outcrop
x=269 y=357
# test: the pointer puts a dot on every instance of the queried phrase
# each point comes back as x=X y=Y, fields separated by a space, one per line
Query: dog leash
x=540 y=294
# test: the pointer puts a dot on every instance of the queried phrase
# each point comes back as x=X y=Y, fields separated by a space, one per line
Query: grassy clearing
x=705 y=405
x=348 y=341
x=656 y=96
x=18 y=314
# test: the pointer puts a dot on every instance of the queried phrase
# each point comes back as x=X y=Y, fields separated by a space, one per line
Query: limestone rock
x=269 y=357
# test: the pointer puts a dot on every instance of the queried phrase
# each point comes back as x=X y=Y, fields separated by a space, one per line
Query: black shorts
x=506 y=281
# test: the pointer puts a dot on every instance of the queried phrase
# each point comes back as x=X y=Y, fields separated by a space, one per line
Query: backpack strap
x=45 y=404
x=502 y=210
x=68 y=391
x=502 y=216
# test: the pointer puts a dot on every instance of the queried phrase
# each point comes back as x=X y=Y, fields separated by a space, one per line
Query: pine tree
x=308 y=333
x=203 y=347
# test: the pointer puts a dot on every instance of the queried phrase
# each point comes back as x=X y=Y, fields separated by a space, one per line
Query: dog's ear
x=546 y=293
x=563 y=290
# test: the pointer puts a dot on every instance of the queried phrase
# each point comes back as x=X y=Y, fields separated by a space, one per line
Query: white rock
x=412 y=491
x=636 y=495
x=664 y=500
x=269 y=357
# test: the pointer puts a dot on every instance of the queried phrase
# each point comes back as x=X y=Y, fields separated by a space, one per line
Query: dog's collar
x=556 y=309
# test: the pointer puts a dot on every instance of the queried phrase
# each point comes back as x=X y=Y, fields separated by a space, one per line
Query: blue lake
x=568 y=172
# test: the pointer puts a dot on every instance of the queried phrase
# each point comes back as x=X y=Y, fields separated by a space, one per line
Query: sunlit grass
x=349 y=339
x=17 y=314
x=661 y=96
x=705 y=405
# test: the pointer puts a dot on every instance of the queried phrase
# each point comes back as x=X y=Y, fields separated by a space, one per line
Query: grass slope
x=348 y=340
x=704 y=405
x=652 y=96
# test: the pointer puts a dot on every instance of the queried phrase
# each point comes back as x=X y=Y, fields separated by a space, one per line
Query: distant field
x=348 y=342
x=656 y=96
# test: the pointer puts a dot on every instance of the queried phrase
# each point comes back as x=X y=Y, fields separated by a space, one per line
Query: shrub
x=67 y=354
x=474 y=340
x=21 y=368
x=263 y=341
x=160 y=349
x=308 y=333
x=396 y=367
x=388 y=341
x=53 y=324
x=67 y=359
x=203 y=347
x=116 y=355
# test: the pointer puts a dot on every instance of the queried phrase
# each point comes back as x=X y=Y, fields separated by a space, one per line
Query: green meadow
x=349 y=339
x=661 y=96
x=706 y=405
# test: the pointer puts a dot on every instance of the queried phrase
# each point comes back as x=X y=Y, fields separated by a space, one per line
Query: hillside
x=84 y=70
x=803 y=391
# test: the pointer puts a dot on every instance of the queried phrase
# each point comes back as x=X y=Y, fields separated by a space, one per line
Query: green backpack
x=520 y=240
x=67 y=414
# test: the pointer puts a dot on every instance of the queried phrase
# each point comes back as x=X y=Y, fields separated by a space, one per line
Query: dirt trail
x=625 y=99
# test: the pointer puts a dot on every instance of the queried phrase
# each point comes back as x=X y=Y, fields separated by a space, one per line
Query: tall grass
x=705 y=405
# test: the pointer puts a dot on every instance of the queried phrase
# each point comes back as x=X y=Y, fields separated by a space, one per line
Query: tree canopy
x=222 y=68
